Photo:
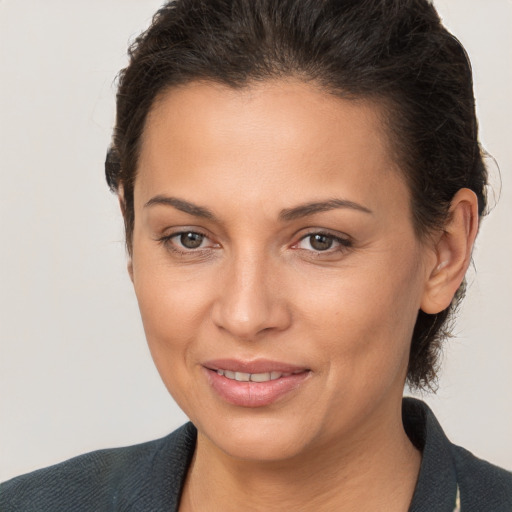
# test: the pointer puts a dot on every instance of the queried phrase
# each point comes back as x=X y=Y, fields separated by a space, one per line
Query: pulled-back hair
x=394 y=52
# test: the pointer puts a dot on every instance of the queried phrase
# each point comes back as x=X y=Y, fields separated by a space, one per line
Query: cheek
x=172 y=311
x=364 y=318
x=171 y=308
x=172 y=303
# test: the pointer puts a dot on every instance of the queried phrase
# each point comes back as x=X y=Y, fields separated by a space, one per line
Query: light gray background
x=75 y=371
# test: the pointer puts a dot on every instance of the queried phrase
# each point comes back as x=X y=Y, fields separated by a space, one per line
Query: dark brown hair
x=395 y=52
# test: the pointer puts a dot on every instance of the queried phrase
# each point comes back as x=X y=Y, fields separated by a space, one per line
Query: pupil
x=321 y=242
x=191 y=240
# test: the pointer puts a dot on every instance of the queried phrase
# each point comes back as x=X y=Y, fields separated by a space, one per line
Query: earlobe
x=122 y=206
x=120 y=196
x=452 y=253
x=130 y=269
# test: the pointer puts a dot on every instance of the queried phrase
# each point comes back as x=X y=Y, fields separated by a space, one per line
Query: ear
x=120 y=197
x=452 y=253
x=122 y=206
x=129 y=267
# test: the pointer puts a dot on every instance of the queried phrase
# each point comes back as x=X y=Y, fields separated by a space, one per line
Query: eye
x=323 y=242
x=185 y=242
x=190 y=239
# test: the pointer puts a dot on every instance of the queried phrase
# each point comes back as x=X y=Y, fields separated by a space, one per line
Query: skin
x=257 y=288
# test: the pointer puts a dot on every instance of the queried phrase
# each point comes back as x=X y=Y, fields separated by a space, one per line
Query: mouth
x=254 y=377
x=254 y=384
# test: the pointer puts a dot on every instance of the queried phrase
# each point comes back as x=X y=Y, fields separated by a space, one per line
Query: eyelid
x=342 y=241
x=345 y=242
x=167 y=240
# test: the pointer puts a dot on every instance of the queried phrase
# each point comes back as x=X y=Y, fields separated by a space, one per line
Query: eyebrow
x=287 y=214
x=184 y=206
x=321 y=206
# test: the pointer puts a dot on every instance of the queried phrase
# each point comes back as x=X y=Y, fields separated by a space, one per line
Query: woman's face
x=275 y=264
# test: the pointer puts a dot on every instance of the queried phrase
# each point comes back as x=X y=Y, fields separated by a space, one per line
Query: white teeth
x=253 y=377
x=260 y=377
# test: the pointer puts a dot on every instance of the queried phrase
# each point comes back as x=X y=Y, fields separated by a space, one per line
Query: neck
x=373 y=470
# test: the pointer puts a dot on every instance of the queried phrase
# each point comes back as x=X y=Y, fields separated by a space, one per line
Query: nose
x=250 y=299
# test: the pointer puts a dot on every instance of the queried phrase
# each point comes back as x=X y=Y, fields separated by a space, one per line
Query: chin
x=257 y=438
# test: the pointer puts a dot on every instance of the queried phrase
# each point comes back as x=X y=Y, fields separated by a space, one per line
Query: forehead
x=264 y=139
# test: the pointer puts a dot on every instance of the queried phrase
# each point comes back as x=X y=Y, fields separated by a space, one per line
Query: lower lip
x=254 y=394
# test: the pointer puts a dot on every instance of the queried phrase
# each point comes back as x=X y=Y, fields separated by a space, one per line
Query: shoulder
x=446 y=468
x=140 y=477
x=486 y=486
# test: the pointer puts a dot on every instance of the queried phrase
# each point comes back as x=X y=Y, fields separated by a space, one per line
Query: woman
x=301 y=184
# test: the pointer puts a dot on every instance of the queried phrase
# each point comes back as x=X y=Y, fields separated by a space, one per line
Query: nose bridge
x=248 y=302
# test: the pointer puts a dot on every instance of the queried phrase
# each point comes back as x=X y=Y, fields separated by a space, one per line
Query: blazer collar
x=436 y=488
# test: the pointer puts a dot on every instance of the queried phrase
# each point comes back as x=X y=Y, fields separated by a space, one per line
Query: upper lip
x=256 y=366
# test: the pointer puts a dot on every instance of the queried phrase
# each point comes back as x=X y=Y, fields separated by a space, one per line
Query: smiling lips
x=254 y=384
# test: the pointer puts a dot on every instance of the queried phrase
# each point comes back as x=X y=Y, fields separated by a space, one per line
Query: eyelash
x=166 y=241
x=344 y=243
